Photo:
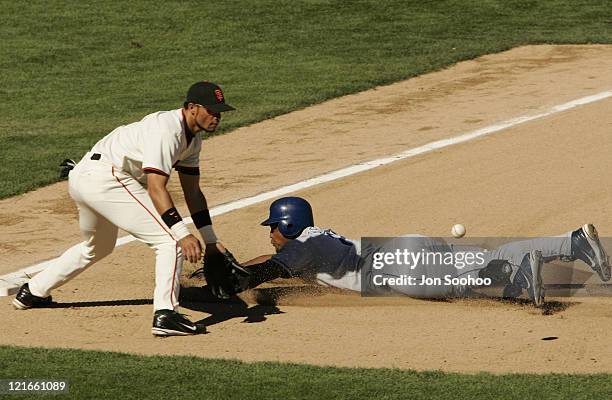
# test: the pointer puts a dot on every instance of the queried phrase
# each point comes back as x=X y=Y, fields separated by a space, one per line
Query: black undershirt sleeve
x=264 y=272
x=188 y=170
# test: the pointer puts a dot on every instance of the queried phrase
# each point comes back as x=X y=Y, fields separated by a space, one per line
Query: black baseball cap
x=209 y=95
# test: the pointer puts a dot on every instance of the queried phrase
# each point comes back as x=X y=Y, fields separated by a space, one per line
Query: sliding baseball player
x=306 y=251
x=121 y=183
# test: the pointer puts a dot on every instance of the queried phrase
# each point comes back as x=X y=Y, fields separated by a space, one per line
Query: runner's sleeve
x=296 y=257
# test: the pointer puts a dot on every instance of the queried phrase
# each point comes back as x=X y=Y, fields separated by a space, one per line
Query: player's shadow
x=101 y=303
x=201 y=299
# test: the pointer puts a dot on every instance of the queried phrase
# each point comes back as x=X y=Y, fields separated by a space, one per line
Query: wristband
x=180 y=230
x=171 y=217
x=208 y=234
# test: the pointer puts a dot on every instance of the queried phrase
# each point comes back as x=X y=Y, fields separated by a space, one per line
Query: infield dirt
x=540 y=178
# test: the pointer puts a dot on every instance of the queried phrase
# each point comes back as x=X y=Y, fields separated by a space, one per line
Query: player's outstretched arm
x=226 y=277
x=264 y=272
x=195 y=199
x=198 y=207
x=258 y=260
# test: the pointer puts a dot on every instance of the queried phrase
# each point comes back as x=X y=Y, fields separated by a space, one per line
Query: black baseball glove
x=65 y=167
x=224 y=275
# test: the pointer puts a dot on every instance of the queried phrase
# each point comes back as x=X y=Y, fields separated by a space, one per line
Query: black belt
x=96 y=156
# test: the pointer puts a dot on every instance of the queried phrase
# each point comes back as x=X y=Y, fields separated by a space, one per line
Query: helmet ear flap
x=287 y=229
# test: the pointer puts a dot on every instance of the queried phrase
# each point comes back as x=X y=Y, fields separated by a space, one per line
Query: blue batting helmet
x=292 y=214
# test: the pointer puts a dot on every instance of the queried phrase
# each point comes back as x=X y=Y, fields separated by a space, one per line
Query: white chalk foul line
x=17 y=278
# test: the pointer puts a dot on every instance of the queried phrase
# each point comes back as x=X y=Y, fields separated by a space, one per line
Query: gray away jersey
x=332 y=260
x=325 y=256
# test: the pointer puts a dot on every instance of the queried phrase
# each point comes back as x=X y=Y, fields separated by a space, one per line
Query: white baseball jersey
x=157 y=143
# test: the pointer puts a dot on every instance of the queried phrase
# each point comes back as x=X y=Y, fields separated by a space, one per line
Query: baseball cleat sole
x=170 y=332
x=19 y=305
x=536 y=261
x=602 y=264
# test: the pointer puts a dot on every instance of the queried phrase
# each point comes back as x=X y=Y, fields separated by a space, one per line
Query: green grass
x=72 y=71
x=97 y=375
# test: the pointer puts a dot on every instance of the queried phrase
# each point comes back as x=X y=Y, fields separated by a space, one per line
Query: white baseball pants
x=109 y=199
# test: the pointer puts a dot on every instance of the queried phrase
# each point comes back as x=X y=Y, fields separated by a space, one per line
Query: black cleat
x=25 y=299
x=512 y=292
x=498 y=271
x=587 y=247
x=171 y=323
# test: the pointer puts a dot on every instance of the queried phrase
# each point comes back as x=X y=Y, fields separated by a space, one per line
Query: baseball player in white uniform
x=121 y=183
x=306 y=251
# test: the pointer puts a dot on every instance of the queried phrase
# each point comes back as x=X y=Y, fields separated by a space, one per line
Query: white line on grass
x=16 y=279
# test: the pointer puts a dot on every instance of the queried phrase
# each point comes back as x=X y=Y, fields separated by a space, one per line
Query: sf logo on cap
x=219 y=95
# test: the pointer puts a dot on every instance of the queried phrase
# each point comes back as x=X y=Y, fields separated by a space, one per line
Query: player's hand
x=192 y=249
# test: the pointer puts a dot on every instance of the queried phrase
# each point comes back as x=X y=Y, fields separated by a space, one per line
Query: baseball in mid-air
x=458 y=230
